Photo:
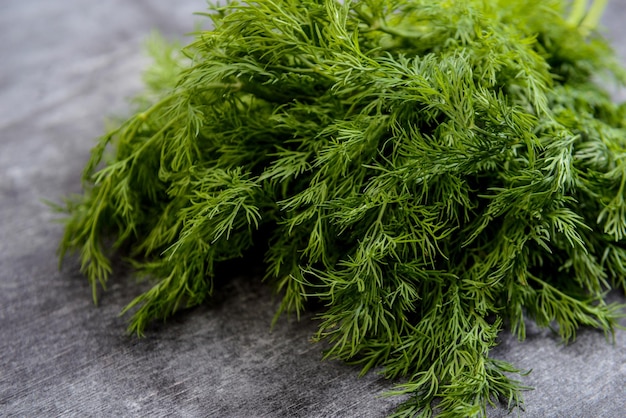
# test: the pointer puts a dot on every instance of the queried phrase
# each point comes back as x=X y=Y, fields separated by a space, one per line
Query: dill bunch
x=430 y=171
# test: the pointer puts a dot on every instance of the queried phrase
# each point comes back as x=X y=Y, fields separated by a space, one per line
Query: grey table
x=64 y=66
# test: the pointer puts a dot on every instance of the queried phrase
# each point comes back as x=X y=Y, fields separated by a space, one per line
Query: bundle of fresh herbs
x=429 y=170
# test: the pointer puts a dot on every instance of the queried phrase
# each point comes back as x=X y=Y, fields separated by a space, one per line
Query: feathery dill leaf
x=428 y=170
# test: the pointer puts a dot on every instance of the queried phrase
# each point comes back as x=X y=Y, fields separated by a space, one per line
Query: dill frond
x=431 y=171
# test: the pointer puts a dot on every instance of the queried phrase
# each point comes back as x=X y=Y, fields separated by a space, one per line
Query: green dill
x=431 y=171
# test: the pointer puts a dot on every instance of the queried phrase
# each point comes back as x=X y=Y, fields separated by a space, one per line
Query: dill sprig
x=428 y=170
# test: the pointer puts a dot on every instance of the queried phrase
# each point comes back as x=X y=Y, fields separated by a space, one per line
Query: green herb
x=431 y=171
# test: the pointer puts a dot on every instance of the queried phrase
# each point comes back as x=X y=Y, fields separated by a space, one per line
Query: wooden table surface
x=64 y=67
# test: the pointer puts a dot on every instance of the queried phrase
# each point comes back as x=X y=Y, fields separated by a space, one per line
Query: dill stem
x=577 y=12
x=592 y=19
